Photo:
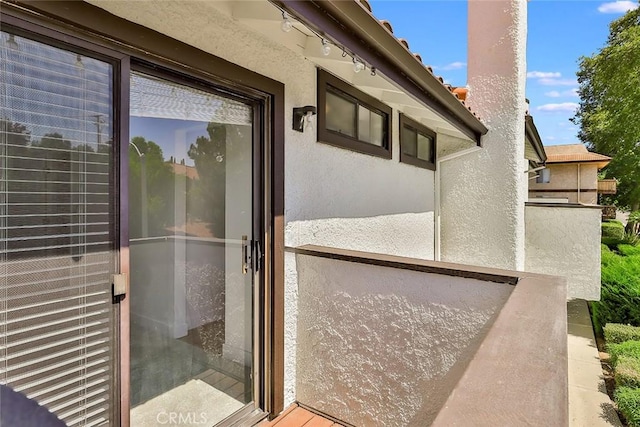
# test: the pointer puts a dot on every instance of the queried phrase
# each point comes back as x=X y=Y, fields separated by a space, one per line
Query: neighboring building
x=304 y=249
x=571 y=175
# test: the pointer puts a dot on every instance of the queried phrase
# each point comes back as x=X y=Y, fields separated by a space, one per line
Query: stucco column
x=483 y=193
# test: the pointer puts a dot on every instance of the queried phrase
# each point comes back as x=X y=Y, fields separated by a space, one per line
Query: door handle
x=245 y=254
x=118 y=287
x=257 y=255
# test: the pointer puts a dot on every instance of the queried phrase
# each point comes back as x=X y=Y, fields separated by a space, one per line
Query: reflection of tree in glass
x=14 y=133
x=52 y=186
x=207 y=198
x=160 y=189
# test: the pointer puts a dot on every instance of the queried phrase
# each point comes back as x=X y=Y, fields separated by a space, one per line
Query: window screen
x=56 y=239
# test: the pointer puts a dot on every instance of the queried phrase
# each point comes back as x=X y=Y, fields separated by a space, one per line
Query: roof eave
x=601 y=162
x=532 y=132
x=350 y=25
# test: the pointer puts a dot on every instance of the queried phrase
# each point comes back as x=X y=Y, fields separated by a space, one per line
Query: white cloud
x=550 y=138
x=551 y=78
x=557 y=82
x=563 y=107
x=543 y=74
x=569 y=93
x=452 y=66
x=620 y=6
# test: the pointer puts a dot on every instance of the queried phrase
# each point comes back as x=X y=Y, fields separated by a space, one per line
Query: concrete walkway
x=589 y=404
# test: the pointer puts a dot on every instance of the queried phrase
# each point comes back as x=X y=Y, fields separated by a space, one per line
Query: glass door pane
x=191 y=227
x=57 y=335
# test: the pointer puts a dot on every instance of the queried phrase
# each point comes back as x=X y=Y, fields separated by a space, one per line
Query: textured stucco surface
x=381 y=346
x=566 y=242
x=519 y=375
x=332 y=195
x=482 y=194
x=409 y=235
x=564 y=178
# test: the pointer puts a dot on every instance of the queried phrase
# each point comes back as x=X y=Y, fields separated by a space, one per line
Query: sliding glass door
x=130 y=289
x=192 y=239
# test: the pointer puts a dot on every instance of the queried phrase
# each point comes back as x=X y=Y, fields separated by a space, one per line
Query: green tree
x=208 y=193
x=160 y=188
x=12 y=133
x=609 y=112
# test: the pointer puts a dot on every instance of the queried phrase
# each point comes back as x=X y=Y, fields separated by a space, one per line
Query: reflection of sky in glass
x=174 y=116
x=173 y=136
x=50 y=90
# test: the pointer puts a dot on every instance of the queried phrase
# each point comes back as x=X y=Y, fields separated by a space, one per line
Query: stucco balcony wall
x=564 y=239
x=384 y=340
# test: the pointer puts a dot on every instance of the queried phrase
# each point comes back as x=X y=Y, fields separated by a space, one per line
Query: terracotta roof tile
x=461 y=93
x=572 y=153
x=365 y=4
x=386 y=24
x=589 y=157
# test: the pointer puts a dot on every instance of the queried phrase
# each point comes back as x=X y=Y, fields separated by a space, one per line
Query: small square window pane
x=425 y=147
x=370 y=126
x=409 y=141
x=340 y=114
x=544 y=176
x=364 y=124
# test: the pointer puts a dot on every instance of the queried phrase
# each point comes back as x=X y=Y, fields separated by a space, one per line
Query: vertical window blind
x=56 y=229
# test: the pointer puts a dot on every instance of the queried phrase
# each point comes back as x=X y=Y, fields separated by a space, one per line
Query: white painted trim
x=459 y=154
x=436 y=202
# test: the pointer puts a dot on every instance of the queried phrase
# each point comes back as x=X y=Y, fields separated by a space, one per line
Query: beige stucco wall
x=564 y=178
x=565 y=241
x=382 y=346
x=483 y=193
x=333 y=196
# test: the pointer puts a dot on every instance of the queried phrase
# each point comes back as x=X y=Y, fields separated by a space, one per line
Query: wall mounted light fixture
x=286 y=25
x=302 y=114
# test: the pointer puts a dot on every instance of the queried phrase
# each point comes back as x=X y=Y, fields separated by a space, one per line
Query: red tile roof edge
x=387 y=25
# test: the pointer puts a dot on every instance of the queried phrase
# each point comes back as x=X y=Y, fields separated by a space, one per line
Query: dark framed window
x=351 y=119
x=417 y=144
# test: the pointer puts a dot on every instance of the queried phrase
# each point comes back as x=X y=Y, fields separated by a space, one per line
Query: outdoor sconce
x=302 y=114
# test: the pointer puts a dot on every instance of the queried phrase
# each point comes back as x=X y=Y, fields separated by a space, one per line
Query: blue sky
x=559 y=32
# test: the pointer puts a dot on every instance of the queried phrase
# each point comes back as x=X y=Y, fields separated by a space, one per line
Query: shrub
x=628 y=400
x=611 y=242
x=632 y=239
x=620 y=291
x=629 y=250
x=630 y=349
x=615 y=333
x=613 y=229
x=627 y=373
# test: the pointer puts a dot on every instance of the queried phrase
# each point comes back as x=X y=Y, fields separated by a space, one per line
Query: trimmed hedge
x=611 y=242
x=620 y=291
x=627 y=349
x=613 y=229
x=627 y=373
x=615 y=333
x=628 y=400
